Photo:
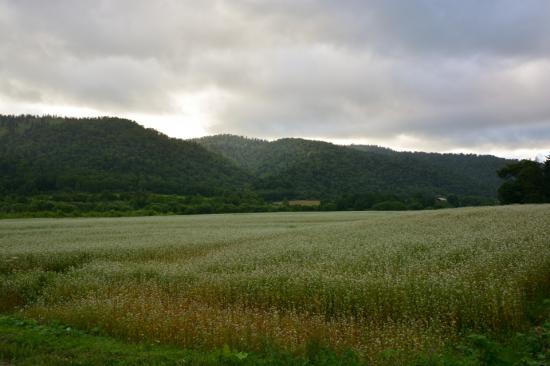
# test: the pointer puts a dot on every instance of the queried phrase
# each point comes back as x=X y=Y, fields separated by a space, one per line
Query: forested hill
x=307 y=169
x=46 y=154
x=51 y=154
x=478 y=168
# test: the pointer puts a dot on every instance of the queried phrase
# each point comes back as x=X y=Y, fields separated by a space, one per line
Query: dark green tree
x=546 y=174
x=524 y=183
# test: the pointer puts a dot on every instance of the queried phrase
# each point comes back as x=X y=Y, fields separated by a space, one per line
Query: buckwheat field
x=408 y=281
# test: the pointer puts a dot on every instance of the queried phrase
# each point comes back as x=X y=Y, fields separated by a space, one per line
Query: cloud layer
x=441 y=75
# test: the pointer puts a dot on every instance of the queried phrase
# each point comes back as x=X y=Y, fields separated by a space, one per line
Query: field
x=375 y=283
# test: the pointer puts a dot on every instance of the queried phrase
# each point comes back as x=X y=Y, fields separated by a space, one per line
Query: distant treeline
x=527 y=181
x=113 y=204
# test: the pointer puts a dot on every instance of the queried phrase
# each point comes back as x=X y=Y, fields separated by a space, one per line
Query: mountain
x=94 y=155
x=479 y=169
x=301 y=168
x=44 y=154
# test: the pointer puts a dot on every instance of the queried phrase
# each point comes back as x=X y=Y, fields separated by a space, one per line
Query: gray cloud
x=458 y=74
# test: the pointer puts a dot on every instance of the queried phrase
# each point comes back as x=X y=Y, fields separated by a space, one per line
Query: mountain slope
x=312 y=169
x=479 y=169
x=39 y=154
x=48 y=154
x=244 y=151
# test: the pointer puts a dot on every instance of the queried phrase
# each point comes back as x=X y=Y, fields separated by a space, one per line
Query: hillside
x=44 y=154
x=310 y=169
x=51 y=154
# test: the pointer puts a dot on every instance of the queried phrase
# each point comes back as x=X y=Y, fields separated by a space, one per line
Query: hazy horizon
x=418 y=75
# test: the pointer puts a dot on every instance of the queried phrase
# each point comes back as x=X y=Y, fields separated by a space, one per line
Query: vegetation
x=27 y=342
x=117 y=204
x=114 y=204
x=93 y=155
x=50 y=154
x=383 y=287
x=63 y=167
x=526 y=182
x=304 y=169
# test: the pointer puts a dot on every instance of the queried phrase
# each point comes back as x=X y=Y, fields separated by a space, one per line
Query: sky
x=431 y=75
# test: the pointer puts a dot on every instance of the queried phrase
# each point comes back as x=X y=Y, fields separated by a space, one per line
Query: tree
x=546 y=174
x=524 y=183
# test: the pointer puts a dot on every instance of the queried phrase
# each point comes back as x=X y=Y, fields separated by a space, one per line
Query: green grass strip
x=25 y=342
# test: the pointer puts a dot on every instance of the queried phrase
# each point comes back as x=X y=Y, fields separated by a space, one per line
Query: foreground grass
x=25 y=342
x=384 y=285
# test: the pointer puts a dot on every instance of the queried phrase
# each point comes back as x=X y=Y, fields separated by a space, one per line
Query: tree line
x=114 y=204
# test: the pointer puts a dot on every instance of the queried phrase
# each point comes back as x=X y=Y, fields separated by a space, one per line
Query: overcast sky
x=433 y=75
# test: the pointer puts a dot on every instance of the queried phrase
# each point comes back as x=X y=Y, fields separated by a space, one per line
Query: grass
x=28 y=343
x=376 y=285
x=25 y=342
